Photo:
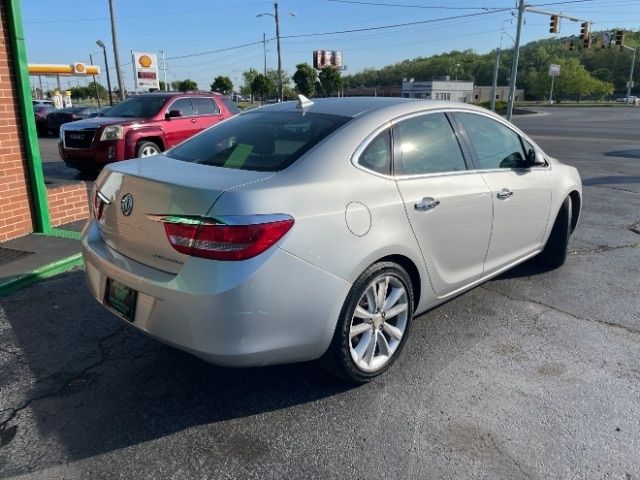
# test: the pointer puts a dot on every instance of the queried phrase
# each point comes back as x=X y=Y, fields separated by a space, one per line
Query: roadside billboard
x=327 y=58
x=145 y=71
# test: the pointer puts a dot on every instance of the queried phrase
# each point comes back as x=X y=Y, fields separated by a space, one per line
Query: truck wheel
x=146 y=149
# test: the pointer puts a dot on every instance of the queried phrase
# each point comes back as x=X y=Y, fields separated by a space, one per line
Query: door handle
x=504 y=194
x=193 y=120
x=427 y=203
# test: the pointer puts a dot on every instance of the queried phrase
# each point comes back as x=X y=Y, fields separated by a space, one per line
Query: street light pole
x=100 y=43
x=630 y=82
x=116 y=55
x=516 y=53
x=264 y=50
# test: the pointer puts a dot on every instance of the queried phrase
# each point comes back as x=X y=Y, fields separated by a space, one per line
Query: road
x=531 y=375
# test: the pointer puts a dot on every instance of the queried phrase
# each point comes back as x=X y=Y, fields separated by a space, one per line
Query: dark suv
x=140 y=126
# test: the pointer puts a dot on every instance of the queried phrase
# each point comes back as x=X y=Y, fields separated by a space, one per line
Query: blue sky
x=65 y=31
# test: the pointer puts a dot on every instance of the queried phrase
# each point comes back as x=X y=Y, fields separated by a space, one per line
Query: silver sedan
x=320 y=229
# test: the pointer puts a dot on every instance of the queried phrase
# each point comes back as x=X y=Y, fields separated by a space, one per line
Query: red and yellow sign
x=74 y=69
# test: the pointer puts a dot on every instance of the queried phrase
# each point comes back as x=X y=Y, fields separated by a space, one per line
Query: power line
x=397 y=25
x=431 y=7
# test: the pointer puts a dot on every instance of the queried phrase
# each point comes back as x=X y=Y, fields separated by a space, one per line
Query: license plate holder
x=121 y=299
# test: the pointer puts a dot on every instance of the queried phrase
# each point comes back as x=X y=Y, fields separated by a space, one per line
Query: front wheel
x=373 y=324
x=146 y=149
x=554 y=253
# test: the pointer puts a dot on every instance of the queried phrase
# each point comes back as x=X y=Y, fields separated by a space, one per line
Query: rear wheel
x=146 y=149
x=554 y=253
x=373 y=324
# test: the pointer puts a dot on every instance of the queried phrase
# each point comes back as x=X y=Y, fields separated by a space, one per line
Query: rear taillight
x=99 y=204
x=225 y=242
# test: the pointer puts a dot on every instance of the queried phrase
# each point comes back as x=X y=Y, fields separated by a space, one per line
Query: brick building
x=26 y=205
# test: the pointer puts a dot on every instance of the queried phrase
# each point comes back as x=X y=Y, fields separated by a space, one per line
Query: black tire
x=554 y=253
x=146 y=145
x=338 y=357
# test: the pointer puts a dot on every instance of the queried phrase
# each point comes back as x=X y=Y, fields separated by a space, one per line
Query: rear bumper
x=271 y=309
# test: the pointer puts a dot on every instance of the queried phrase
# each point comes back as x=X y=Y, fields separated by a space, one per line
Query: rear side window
x=183 y=105
x=377 y=155
x=496 y=145
x=258 y=140
x=428 y=144
x=232 y=107
x=205 y=106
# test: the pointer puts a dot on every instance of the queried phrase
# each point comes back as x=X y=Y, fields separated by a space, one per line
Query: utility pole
x=275 y=6
x=164 y=68
x=516 y=54
x=101 y=44
x=630 y=82
x=494 y=85
x=94 y=80
x=264 y=51
x=115 y=50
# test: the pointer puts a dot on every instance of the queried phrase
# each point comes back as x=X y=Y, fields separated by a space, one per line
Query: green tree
x=184 y=85
x=162 y=85
x=330 y=81
x=305 y=79
x=222 y=84
x=248 y=76
x=261 y=86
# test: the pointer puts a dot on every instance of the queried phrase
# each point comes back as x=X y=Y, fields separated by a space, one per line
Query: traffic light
x=584 y=31
x=571 y=45
x=586 y=43
x=620 y=38
x=554 y=24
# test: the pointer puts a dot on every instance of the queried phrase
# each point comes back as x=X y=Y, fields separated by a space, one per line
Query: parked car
x=41 y=111
x=318 y=230
x=141 y=126
x=632 y=99
x=66 y=115
x=42 y=102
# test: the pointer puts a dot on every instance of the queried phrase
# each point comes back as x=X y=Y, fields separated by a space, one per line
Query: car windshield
x=141 y=107
x=258 y=140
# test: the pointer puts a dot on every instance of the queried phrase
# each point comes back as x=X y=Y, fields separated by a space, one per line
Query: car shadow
x=98 y=385
x=617 y=179
x=526 y=269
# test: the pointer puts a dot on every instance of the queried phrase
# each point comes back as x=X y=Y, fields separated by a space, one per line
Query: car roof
x=360 y=106
x=176 y=94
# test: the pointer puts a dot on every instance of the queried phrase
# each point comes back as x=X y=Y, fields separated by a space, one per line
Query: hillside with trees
x=594 y=72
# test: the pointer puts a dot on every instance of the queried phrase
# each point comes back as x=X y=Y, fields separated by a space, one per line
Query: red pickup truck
x=140 y=126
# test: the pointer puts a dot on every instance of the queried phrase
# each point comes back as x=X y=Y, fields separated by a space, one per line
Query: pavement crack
x=615 y=188
x=634 y=227
x=604 y=248
x=551 y=307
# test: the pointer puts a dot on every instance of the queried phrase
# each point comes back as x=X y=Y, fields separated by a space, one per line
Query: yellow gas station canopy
x=74 y=69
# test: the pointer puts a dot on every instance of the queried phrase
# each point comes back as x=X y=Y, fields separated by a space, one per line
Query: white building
x=453 y=90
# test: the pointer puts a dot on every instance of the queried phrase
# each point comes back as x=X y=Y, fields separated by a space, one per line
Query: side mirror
x=172 y=114
x=533 y=160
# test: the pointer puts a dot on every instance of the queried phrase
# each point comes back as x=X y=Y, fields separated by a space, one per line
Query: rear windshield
x=258 y=140
x=144 y=107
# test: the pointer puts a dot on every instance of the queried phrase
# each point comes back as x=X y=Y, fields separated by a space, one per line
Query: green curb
x=40 y=273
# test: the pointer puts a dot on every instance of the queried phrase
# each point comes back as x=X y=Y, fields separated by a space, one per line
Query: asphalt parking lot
x=531 y=375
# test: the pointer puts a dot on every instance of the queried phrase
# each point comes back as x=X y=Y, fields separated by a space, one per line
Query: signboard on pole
x=554 y=70
x=327 y=58
x=145 y=71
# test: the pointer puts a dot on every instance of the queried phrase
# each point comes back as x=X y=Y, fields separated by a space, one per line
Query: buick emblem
x=126 y=204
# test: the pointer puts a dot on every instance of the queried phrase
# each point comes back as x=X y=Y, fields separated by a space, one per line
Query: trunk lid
x=158 y=187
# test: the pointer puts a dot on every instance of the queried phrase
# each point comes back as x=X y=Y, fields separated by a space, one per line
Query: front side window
x=182 y=105
x=496 y=145
x=427 y=144
x=258 y=140
x=377 y=155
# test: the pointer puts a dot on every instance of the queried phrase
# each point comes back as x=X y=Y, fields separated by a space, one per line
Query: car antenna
x=304 y=102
